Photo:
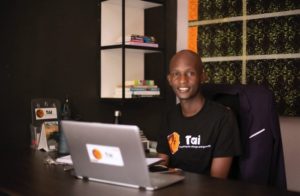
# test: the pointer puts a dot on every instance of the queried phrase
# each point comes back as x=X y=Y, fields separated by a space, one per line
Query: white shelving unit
x=120 y=62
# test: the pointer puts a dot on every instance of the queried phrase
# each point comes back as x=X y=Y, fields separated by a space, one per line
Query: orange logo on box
x=97 y=154
x=39 y=113
x=174 y=141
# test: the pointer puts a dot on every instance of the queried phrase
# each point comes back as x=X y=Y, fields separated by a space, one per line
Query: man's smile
x=183 y=89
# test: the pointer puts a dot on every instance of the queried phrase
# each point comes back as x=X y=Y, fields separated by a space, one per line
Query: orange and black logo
x=174 y=141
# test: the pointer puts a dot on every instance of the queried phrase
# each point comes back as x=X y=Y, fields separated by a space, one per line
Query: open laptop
x=113 y=154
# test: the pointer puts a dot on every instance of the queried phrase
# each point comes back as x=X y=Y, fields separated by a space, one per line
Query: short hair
x=190 y=54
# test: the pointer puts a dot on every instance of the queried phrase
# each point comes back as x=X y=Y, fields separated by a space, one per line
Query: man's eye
x=190 y=74
x=175 y=74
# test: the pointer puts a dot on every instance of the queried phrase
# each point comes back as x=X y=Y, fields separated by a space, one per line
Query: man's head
x=186 y=74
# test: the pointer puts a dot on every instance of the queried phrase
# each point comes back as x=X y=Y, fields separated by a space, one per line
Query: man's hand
x=165 y=159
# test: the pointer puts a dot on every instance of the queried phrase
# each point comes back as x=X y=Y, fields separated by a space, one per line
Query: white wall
x=290 y=133
x=182 y=24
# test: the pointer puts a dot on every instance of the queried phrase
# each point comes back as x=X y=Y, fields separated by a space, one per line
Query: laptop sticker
x=109 y=155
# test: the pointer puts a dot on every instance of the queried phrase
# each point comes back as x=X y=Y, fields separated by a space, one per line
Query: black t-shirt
x=192 y=142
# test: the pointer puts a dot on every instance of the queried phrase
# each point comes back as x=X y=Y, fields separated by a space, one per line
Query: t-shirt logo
x=174 y=141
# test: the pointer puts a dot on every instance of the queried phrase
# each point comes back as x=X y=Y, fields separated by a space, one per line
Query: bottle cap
x=118 y=113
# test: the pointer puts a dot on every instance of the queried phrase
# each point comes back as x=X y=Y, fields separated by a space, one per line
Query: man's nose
x=182 y=78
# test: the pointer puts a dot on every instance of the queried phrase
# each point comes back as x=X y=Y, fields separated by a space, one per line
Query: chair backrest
x=262 y=160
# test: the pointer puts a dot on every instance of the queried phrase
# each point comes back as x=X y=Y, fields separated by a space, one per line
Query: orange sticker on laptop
x=97 y=154
x=174 y=141
x=108 y=155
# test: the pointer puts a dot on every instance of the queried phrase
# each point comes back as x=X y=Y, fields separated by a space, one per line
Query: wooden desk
x=26 y=174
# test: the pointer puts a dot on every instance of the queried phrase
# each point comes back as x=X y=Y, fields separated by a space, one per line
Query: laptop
x=112 y=153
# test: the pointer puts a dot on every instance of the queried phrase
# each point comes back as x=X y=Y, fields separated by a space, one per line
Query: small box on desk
x=44 y=128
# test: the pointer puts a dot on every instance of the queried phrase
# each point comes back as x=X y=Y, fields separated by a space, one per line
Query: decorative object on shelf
x=139 y=40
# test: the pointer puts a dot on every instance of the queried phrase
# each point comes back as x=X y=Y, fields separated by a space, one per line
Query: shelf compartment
x=139 y=65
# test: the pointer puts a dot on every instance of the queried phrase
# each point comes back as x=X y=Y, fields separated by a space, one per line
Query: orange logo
x=97 y=154
x=39 y=113
x=174 y=141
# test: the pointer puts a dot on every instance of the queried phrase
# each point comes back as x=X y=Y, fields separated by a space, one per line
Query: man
x=198 y=135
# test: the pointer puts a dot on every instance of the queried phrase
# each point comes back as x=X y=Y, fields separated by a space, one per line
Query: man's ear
x=203 y=76
x=169 y=79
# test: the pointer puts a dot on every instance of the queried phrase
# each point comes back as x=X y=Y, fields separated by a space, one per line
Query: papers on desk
x=151 y=161
x=65 y=160
x=68 y=160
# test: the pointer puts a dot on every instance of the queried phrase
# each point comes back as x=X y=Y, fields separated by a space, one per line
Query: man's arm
x=220 y=167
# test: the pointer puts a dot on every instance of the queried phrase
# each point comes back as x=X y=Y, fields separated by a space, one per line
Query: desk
x=26 y=174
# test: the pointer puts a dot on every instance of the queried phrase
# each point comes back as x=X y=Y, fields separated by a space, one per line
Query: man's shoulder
x=217 y=110
x=216 y=107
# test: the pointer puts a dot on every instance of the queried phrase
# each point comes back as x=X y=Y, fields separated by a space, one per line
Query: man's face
x=185 y=77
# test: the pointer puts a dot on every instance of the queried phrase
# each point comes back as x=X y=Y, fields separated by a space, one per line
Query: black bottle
x=66 y=110
x=66 y=115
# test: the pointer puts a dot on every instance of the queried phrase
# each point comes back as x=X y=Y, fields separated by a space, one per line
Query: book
x=132 y=43
x=137 y=88
x=144 y=89
x=145 y=93
x=129 y=94
x=139 y=83
x=144 y=96
x=137 y=38
x=144 y=38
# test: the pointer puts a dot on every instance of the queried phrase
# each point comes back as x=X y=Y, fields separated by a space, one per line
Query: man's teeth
x=183 y=89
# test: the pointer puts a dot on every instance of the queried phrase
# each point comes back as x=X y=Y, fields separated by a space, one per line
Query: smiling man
x=197 y=135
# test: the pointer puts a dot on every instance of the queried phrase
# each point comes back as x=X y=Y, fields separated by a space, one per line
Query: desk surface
x=26 y=174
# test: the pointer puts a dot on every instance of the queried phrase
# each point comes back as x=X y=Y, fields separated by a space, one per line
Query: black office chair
x=262 y=159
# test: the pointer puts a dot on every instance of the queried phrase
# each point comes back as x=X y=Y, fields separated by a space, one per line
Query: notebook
x=112 y=154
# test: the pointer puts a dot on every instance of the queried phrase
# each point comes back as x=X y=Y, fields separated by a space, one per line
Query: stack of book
x=138 y=89
x=140 y=40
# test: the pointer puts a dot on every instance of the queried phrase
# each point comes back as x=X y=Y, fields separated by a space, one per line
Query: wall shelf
x=142 y=49
x=120 y=62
